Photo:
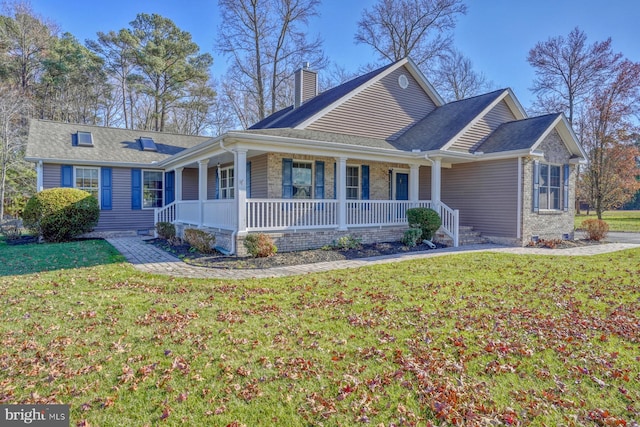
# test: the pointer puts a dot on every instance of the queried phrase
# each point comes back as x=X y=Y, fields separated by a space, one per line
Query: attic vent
x=84 y=139
x=147 y=144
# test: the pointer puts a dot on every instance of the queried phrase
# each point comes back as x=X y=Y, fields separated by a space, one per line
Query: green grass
x=617 y=220
x=25 y=259
x=522 y=340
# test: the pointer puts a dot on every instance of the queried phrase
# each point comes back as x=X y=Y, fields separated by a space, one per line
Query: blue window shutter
x=287 y=178
x=365 y=182
x=248 y=180
x=335 y=194
x=536 y=186
x=106 y=189
x=217 y=195
x=170 y=187
x=319 y=193
x=66 y=176
x=136 y=189
x=565 y=196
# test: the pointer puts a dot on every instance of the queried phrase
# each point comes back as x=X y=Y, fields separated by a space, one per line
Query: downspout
x=234 y=232
x=519 y=209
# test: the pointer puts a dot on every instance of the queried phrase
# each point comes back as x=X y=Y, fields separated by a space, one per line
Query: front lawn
x=33 y=258
x=617 y=220
x=491 y=339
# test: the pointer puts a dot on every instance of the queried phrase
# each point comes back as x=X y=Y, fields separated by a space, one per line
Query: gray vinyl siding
x=424 y=192
x=121 y=216
x=483 y=127
x=259 y=177
x=486 y=193
x=211 y=183
x=383 y=110
x=190 y=184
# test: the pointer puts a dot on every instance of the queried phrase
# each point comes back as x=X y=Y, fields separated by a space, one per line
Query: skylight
x=84 y=139
x=147 y=144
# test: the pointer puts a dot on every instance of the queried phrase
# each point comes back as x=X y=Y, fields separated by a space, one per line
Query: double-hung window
x=550 y=186
x=87 y=179
x=152 y=189
x=353 y=182
x=227 y=183
x=302 y=173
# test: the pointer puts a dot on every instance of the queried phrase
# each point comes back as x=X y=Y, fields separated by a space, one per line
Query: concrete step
x=467 y=236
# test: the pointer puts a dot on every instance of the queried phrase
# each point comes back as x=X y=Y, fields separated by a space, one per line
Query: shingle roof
x=291 y=117
x=52 y=140
x=435 y=130
x=517 y=135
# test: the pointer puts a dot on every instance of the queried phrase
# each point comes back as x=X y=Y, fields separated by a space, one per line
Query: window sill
x=550 y=212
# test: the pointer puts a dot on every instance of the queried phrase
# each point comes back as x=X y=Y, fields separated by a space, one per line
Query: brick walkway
x=148 y=258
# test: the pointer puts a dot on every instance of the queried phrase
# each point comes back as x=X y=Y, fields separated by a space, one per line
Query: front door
x=402 y=186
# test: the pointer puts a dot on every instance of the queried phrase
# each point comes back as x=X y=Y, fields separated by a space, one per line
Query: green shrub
x=595 y=229
x=411 y=237
x=166 y=230
x=61 y=214
x=260 y=245
x=200 y=240
x=347 y=242
x=425 y=219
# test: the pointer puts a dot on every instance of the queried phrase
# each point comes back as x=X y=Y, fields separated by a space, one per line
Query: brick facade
x=547 y=224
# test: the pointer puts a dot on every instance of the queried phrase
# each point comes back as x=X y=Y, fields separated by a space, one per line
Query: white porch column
x=414 y=183
x=178 y=184
x=202 y=186
x=240 y=168
x=435 y=182
x=341 y=190
x=39 y=177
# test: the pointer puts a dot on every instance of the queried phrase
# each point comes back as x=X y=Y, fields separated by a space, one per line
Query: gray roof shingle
x=517 y=135
x=435 y=130
x=53 y=140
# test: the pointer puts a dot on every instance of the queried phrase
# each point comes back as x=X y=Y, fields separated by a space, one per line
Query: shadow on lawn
x=29 y=257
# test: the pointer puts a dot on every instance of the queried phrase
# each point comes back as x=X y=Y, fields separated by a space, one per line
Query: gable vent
x=147 y=144
x=82 y=139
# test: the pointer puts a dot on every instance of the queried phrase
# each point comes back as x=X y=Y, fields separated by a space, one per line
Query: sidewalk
x=149 y=259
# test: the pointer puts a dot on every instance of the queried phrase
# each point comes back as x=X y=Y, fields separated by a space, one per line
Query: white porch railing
x=380 y=212
x=450 y=222
x=292 y=214
x=220 y=214
x=283 y=214
x=165 y=213
x=188 y=212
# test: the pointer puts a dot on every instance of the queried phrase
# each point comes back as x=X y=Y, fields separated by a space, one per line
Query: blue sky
x=495 y=34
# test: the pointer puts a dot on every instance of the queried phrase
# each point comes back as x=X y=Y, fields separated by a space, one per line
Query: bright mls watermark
x=34 y=415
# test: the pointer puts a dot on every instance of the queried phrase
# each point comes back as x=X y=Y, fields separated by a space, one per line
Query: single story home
x=347 y=161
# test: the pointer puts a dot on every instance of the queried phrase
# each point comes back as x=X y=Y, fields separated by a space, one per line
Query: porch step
x=467 y=236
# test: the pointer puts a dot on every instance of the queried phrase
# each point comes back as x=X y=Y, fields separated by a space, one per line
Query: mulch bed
x=282 y=259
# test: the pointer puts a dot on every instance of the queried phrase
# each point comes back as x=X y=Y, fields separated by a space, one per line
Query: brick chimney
x=306 y=85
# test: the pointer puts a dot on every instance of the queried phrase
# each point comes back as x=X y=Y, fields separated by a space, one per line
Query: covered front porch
x=234 y=198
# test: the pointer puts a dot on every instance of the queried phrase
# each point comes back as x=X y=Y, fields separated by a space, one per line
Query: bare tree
x=456 y=79
x=266 y=41
x=13 y=107
x=568 y=70
x=26 y=38
x=609 y=131
x=397 y=29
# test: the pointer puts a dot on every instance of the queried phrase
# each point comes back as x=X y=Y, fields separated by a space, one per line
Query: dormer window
x=147 y=144
x=84 y=139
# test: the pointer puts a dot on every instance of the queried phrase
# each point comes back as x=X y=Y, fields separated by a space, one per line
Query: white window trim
x=313 y=176
x=75 y=168
x=142 y=188
x=232 y=187
x=548 y=187
x=359 y=167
